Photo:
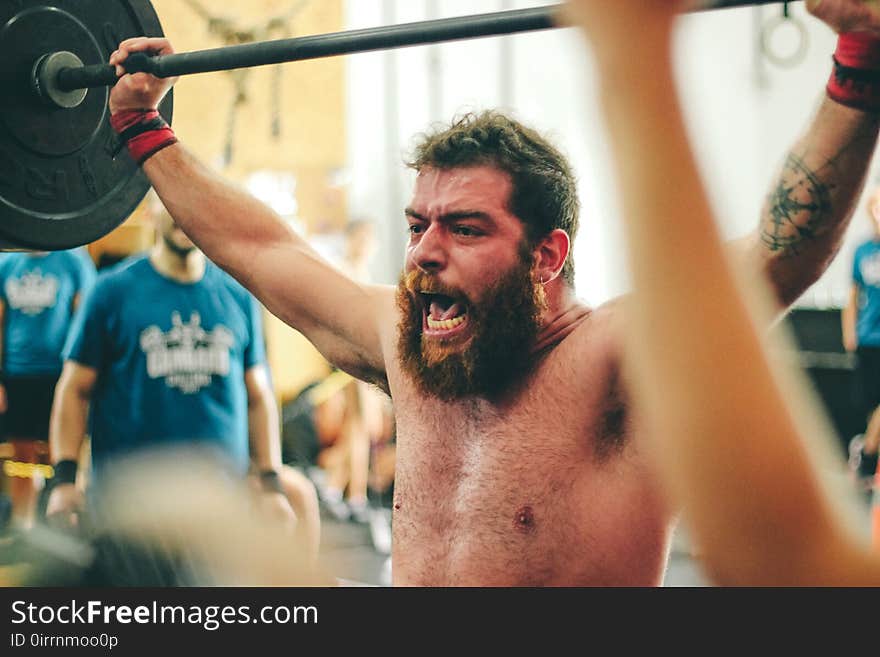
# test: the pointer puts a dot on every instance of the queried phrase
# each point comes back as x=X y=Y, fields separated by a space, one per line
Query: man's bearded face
x=455 y=346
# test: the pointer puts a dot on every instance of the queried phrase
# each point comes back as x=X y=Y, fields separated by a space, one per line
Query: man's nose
x=430 y=254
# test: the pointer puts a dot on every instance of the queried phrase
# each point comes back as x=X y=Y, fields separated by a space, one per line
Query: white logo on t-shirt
x=186 y=356
x=869 y=267
x=32 y=293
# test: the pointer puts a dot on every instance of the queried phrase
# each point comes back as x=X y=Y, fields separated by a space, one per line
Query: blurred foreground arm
x=723 y=432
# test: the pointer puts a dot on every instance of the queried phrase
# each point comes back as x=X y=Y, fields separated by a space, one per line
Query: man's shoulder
x=606 y=319
x=73 y=263
x=11 y=260
x=596 y=336
x=78 y=255
x=126 y=275
x=7 y=260
x=613 y=307
x=595 y=347
x=217 y=277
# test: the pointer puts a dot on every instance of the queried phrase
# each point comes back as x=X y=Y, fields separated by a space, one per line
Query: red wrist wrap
x=855 y=81
x=145 y=132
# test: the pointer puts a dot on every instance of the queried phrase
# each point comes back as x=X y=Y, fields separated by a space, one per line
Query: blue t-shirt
x=171 y=359
x=38 y=290
x=866 y=275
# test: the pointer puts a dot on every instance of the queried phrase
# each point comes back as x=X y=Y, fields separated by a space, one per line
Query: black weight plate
x=59 y=184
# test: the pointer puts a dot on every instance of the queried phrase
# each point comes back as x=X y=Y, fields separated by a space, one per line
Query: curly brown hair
x=544 y=194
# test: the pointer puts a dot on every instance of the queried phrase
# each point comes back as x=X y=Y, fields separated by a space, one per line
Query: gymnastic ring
x=769 y=29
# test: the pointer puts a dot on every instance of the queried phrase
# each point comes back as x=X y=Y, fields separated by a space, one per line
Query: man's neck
x=563 y=315
x=182 y=267
x=560 y=298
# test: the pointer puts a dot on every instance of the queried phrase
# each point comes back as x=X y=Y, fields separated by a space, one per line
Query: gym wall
x=744 y=111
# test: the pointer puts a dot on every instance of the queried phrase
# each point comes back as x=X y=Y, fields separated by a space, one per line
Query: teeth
x=445 y=324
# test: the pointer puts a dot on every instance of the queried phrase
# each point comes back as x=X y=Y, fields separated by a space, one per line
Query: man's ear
x=550 y=255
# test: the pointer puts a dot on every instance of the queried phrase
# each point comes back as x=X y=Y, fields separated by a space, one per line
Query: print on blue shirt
x=187 y=356
x=170 y=359
x=38 y=291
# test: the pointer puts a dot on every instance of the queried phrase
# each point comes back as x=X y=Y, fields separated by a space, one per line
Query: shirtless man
x=517 y=460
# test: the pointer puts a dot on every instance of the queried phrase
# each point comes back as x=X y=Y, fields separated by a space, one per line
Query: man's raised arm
x=809 y=206
x=245 y=237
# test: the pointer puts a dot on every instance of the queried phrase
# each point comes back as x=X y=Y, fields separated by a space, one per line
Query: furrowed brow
x=466 y=214
x=457 y=215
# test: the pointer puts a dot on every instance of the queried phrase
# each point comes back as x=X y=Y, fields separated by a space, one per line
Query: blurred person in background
x=167 y=352
x=861 y=335
x=39 y=293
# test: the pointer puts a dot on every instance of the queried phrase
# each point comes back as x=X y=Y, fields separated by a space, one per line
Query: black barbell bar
x=338 y=43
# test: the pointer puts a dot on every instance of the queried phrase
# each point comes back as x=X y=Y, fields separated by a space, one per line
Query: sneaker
x=360 y=511
x=385 y=575
x=855 y=452
x=317 y=476
x=332 y=502
x=380 y=531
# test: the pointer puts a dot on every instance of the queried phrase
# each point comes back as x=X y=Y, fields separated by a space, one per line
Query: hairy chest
x=516 y=485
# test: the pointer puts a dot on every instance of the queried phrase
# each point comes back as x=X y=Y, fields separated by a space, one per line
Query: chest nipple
x=524 y=520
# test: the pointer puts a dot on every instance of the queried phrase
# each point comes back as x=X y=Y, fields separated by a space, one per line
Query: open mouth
x=443 y=316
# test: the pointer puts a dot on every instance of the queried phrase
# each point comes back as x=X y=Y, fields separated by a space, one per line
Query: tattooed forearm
x=819 y=184
x=797 y=209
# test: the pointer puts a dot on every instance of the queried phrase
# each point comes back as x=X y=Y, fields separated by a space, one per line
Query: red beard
x=497 y=352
